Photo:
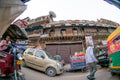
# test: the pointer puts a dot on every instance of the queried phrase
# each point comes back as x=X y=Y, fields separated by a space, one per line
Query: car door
x=40 y=59
x=28 y=56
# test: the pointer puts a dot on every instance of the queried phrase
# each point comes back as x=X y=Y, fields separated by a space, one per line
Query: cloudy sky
x=72 y=10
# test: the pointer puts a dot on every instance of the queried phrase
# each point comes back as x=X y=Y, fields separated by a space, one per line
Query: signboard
x=89 y=39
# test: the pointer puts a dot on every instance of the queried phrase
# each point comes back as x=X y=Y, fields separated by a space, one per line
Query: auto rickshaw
x=103 y=58
x=113 y=42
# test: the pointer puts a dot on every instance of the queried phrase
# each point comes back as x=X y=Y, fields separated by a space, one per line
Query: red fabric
x=6 y=64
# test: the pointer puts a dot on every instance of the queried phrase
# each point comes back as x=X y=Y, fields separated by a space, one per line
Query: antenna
x=52 y=14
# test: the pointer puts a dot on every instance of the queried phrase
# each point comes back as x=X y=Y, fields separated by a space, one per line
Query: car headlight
x=58 y=65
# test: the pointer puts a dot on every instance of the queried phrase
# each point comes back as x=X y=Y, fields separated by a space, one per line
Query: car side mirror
x=43 y=57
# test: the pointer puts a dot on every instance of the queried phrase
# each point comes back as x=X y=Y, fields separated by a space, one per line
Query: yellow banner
x=113 y=34
x=115 y=67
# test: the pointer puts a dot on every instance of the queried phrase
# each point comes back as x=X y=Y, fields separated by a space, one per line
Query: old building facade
x=67 y=37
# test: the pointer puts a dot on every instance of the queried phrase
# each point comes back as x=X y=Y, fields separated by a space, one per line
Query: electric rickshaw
x=113 y=42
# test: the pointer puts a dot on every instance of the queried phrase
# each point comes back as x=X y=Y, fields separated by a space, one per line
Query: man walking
x=90 y=61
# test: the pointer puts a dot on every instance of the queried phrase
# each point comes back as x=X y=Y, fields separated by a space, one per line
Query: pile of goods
x=78 y=61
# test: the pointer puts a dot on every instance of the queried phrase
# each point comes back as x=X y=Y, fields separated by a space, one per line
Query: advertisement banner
x=113 y=47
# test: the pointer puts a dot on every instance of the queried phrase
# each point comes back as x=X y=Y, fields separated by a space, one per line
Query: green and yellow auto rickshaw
x=113 y=42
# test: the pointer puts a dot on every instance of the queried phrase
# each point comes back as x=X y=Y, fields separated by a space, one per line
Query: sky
x=72 y=10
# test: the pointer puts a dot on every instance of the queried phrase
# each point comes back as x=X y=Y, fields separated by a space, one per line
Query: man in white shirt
x=90 y=61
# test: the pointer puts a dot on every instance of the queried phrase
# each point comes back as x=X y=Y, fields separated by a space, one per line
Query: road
x=101 y=74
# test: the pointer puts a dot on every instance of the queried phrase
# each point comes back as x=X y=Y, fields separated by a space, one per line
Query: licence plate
x=19 y=62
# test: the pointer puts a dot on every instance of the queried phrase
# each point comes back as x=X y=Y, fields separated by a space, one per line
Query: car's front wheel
x=51 y=72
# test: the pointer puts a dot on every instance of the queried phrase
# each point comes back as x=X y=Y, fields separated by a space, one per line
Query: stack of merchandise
x=78 y=61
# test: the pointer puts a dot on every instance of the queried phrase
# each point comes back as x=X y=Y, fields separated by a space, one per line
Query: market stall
x=77 y=61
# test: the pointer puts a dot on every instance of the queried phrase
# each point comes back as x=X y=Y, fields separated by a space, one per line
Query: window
x=52 y=32
x=30 y=51
x=39 y=53
x=63 y=32
x=75 y=31
x=117 y=39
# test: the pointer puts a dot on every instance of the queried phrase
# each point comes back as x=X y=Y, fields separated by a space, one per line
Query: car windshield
x=49 y=56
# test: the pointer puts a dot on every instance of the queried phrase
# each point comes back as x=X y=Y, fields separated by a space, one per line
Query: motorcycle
x=10 y=64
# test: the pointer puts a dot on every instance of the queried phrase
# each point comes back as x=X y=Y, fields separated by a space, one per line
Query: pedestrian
x=90 y=61
x=5 y=43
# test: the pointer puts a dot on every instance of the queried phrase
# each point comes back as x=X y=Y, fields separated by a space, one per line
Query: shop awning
x=9 y=11
x=114 y=2
x=15 y=32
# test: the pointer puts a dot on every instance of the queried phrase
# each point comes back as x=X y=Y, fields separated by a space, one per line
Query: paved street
x=101 y=74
